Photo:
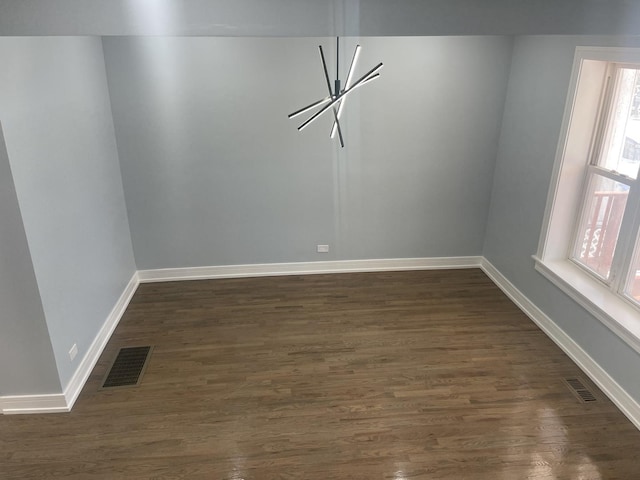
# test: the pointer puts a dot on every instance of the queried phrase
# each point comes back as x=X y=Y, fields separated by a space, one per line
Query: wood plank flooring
x=400 y=376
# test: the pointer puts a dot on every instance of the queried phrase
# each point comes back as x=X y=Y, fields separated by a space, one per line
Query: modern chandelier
x=337 y=97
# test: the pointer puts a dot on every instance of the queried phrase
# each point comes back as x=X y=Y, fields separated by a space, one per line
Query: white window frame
x=564 y=202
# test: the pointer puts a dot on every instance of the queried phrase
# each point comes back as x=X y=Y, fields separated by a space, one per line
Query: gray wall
x=317 y=17
x=60 y=141
x=537 y=91
x=26 y=358
x=215 y=174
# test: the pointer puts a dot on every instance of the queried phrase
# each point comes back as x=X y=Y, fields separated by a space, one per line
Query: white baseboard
x=53 y=403
x=593 y=370
x=307 y=268
x=75 y=385
x=63 y=402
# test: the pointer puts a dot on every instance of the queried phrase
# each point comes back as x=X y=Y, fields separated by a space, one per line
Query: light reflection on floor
x=550 y=465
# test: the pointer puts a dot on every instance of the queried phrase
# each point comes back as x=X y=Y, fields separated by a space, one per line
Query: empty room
x=319 y=239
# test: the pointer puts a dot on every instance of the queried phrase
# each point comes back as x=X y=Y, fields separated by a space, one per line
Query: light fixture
x=337 y=97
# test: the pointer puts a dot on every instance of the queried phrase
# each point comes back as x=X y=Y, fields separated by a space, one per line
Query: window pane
x=622 y=149
x=600 y=224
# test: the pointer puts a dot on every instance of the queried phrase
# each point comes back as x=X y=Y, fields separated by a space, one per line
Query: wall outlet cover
x=323 y=248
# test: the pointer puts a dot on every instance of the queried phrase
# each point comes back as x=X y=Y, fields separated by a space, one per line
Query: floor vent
x=128 y=367
x=579 y=390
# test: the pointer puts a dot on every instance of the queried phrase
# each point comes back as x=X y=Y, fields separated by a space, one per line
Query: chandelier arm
x=352 y=69
x=367 y=80
x=337 y=122
x=361 y=81
x=310 y=107
x=337 y=64
x=335 y=113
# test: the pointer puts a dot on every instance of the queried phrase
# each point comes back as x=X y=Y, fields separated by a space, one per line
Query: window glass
x=599 y=228
x=621 y=151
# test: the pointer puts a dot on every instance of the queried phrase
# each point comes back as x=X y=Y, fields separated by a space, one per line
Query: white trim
x=580 y=119
x=583 y=115
x=79 y=378
x=609 y=54
x=52 y=403
x=613 y=311
x=307 y=268
x=561 y=148
x=63 y=402
x=608 y=385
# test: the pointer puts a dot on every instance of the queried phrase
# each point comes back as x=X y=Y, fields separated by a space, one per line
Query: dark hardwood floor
x=408 y=375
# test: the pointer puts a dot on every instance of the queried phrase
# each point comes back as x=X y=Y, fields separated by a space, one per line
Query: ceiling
x=313 y=18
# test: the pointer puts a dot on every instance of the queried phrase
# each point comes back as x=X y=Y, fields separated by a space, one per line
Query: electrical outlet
x=323 y=248
x=73 y=352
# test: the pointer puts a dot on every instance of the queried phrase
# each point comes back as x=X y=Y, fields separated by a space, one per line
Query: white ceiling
x=312 y=18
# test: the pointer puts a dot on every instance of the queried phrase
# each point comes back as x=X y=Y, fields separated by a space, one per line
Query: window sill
x=617 y=314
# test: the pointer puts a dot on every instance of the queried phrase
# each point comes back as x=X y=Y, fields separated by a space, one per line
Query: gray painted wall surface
x=317 y=17
x=538 y=87
x=27 y=364
x=215 y=174
x=61 y=146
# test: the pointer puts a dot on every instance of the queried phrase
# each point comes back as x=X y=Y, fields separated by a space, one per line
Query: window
x=590 y=243
x=610 y=177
